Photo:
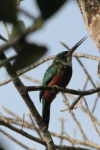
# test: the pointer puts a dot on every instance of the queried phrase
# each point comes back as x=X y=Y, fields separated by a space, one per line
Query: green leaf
x=7 y=60
x=16 y=30
x=29 y=54
x=49 y=7
x=8 y=11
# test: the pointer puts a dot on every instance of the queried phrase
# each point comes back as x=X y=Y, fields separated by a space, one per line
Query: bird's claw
x=55 y=89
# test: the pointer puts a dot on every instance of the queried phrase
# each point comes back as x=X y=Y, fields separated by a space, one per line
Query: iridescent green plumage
x=59 y=73
x=57 y=66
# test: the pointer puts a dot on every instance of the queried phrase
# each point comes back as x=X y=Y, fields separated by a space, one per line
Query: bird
x=58 y=74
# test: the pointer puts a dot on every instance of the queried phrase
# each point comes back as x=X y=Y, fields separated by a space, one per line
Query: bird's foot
x=55 y=90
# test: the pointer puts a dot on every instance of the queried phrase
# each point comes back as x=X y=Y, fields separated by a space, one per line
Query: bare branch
x=3 y=118
x=37 y=25
x=86 y=71
x=43 y=143
x=26 y=13
x=75 y=102
x=62 y=128
x=71 y=140
x=35 y=127
x=27 y=69
x=13 y=139
x=77 y=122
x=31 y=79
x=85 y=83
x=79 y=55
x=91 y=118
x=95 y=103
x=21 y=132
x=84 y=109
x=86 y=143
x=42 y=61
x=65 y=90
x=30 y=126
x=23 y=121
x=24 y=94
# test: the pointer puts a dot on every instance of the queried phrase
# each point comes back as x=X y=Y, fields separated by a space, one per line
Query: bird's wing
x=49 y=74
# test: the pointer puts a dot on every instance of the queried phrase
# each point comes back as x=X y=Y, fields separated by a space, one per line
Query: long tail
x=46 y=112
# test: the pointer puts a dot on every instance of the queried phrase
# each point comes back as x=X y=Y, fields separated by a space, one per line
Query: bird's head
x=65 y=57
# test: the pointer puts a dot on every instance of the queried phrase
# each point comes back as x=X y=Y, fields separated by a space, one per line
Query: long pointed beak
x=75 y=46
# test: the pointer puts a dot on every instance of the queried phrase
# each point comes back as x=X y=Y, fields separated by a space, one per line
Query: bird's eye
x=61 y=56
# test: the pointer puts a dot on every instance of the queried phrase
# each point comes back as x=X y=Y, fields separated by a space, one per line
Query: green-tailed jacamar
x=59 y=73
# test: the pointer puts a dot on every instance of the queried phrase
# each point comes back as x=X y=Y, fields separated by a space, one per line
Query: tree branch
x=24 y=94
x=22 y=132
x=61 y=89
x=13 y=139
x=37 y=25
x=46 y=59
x=37 y=139
x=90 y=10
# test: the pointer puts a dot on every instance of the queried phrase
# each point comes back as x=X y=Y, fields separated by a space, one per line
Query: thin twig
x=89 y=144
x=74 y=133
x=27 y=13
x=2 y=38
x=79 y=55
x=91 y=118
x=35 y=126
x=62 y=128
x=30 y=126
x=3 y=118
x=19 y=123
x=37 y=25
x=84 y=109
x=72 y=142
x=18 y=119
x=5 y=24
x=37 y=64
x=75 y=102
x=6 y=61
x=95 y=103
x=11 y=113
x=87 y=79
x=21 y=132
x=87 y=76
x=86 y=71
x=31 y=79
x=24 y=94
x=27 y=69
x=23 y=121
x=86 y=143
x=75 y=119
x=13 y=139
